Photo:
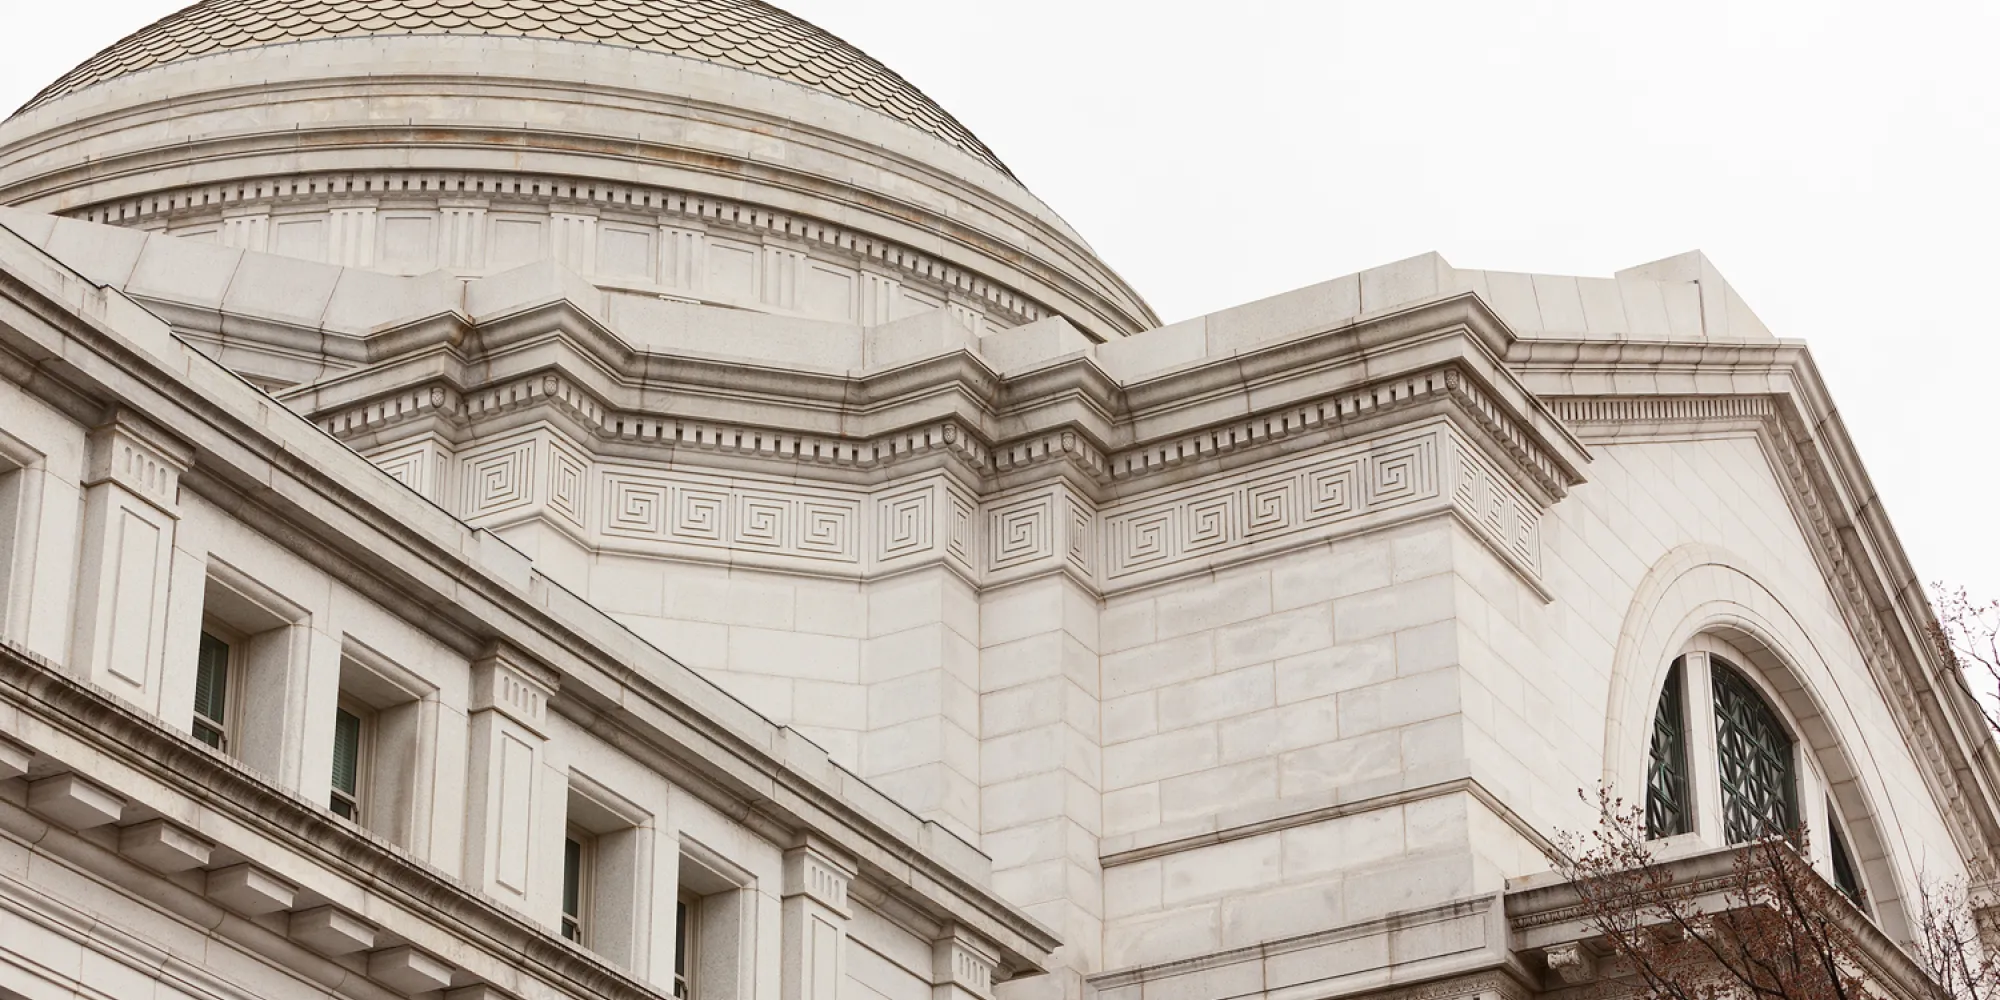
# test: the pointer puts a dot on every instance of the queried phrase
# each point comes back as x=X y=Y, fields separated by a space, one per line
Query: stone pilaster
x=131 y=506
x=506 y=804
x=814 y=918
x=573 y=241
x=462 y=236
x=962 y=967
x=351 y=236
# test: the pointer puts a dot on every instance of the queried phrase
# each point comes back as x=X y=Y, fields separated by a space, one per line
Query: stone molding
x=509 y=682
x=677 y=510
x=1126 y=468
x=960 y=962
x=1133 y=849
x=1466 y=969
x=130 y=451
x=456 y=197
x=812 y=870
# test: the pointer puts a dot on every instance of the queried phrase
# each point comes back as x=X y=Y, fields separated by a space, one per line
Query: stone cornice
x=1614 y=391
x=281 y=475
x=1114 y=438
x=662 y=206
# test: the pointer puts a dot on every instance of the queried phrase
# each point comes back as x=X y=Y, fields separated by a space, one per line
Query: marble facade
x=754 y=483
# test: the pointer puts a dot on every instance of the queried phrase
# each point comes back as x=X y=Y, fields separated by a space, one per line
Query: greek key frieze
x=1326 y=489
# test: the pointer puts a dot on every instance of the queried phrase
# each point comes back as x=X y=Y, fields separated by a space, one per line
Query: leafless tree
x=1967 y=634
x=1780 y=932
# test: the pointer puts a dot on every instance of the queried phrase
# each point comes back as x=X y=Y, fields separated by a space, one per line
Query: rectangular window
x=576 y=884
x=211 y=691
x=352 y=733
x=687 y=911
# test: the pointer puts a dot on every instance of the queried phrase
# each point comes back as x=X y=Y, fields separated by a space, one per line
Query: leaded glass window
x=1754 y=758
x=1667 y=811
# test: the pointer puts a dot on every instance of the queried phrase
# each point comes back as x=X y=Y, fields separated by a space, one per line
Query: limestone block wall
x=1285 y=749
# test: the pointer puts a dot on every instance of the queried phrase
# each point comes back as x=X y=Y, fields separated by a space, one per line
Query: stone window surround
x=1704 y=783
x=400 y=737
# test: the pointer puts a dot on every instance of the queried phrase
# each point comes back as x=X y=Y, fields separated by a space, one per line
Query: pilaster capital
x=507 y=680
x=138 y=455
x=815 y=870
x=961 y=960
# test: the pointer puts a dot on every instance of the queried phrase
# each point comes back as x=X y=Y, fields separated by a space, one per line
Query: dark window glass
x=346 y=764
x=211 y=692
x=1667 y=811
x=1754 y=755
x=572 y=891
x=681 y=950
x=1843 y=862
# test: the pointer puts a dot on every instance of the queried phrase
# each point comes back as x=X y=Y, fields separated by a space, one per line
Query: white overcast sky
x=1837 y=160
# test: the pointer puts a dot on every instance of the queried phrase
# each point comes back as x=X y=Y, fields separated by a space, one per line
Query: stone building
x=629 y=498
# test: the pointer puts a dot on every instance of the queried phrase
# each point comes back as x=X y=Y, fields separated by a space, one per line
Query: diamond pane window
x=1667 y=810
x=1754 y=756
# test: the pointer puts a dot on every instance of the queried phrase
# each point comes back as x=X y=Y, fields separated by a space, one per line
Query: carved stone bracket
x=1574 y=963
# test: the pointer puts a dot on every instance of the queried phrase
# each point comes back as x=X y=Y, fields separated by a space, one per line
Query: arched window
x=1730 y=760
x=1760 y=795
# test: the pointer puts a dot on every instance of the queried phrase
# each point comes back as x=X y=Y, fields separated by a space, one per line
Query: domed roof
x=746 y=34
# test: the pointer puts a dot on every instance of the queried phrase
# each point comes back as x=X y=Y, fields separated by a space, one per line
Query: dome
x=742 y=33
x=715 y=151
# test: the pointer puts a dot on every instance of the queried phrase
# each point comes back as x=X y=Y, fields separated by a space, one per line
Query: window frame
x=687 y=942
x=574 y=923
x=357 y=800
x=234 y=644
x=1669 y=760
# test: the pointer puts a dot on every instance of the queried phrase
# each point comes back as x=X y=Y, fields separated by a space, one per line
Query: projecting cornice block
x=330 y=930
x=407 y=970
x=162 y=846
x=74 y=802
x=14 y=759
x=250 y=890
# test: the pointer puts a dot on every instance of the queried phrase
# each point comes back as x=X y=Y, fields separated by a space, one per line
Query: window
x=1667 y=807
x=687 y=935
x=381 y=758
x=1844 y=875
x=353 y=736
x=251 y=638
x=577 y=858
x=1754 y=758
x=212 y=679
